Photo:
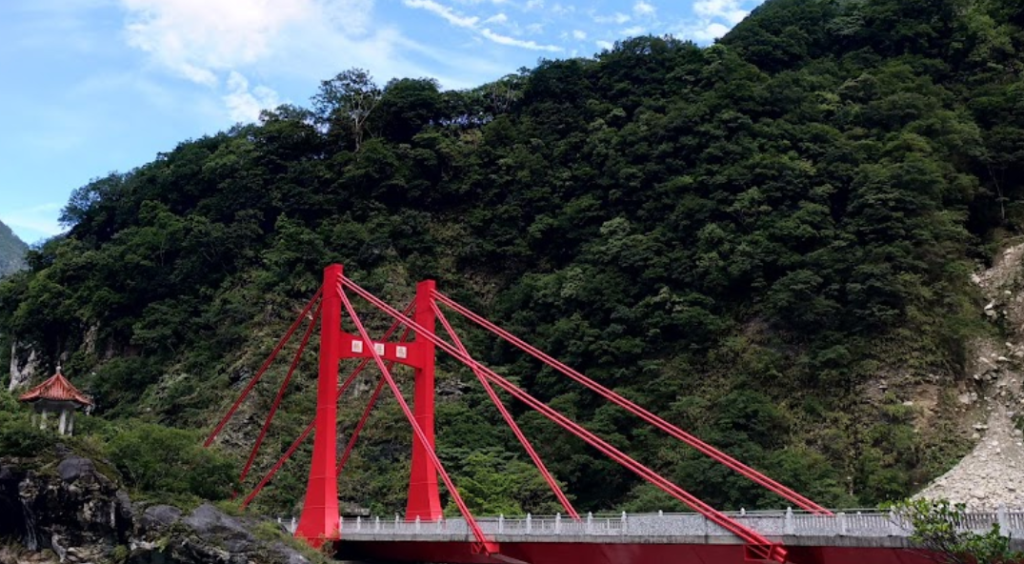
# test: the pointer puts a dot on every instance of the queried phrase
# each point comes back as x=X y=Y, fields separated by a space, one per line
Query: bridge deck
x=866 y=536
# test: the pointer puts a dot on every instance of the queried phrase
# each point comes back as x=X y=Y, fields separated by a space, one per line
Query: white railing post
x=558 y=523
x=842 y=523
x=501 y=523
x=743 y=512
x=396 y=522
x=590 y=522
x=661 y=513
x=1004 y=521
x=359 y=523
x=376 y=525
x=294 y=527
x=417 y=523
x=789 y=528
x=623 y=522
x=529 y=524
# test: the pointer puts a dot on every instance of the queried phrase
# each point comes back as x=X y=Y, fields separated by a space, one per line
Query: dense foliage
x=745 y=238
x=12 y=251
x=153 y=461
x=939 y=527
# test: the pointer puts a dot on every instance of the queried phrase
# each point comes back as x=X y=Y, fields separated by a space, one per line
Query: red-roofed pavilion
x=56 y=395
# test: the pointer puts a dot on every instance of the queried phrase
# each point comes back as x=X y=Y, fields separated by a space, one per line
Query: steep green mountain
x=12 y=251
x=767 y=241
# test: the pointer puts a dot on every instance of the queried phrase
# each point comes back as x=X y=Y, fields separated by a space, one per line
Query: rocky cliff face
x=72 y=513
x=12 y=251
x=992 y=475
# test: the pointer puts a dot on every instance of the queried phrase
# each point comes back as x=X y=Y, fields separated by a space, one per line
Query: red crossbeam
x=482 y=542
x=756 y=542
x=263 y=369
x=280 y=394
x=509 y=420
x=715 y=454
x=359 y=427
x=366 y=412
x=309 y=428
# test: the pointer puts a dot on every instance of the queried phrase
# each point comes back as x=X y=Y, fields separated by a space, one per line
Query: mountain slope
x=12 y=251
x=768 y=242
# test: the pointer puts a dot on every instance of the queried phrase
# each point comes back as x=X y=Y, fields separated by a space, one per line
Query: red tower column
x=424 y=500
x=320 y=517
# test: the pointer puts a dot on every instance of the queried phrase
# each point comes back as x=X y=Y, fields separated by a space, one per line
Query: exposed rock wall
x=24 y=367
x=77 y=515
x=992 y=475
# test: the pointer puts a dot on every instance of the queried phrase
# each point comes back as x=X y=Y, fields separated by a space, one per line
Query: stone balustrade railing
x=862 y=524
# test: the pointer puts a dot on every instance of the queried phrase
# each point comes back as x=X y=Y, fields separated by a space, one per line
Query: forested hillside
x=767 y=241
x=12 y=251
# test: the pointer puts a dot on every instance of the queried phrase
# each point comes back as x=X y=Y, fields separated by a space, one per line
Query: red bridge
x=812 y=535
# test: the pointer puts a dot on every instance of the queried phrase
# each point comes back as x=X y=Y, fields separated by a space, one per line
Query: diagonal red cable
x=263 y=369
x=537 y=461
x=755 y=540
x=309 y=428
x=359 y=427
x=366 y=412
x=482 y=542
x=280 y=393
x=277 y=466
x=721 y=457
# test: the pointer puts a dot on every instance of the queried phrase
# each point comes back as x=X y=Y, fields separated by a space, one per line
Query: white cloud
x=644 y=9
x=196 y=38
x=707 y=33
x=471 y=23
x=605 y=44
x=634 y=31
x=534 y=4
x=727 y=10
x=445 y=12
x=245 y=105
x=205 y=41
x=616 y=18
x=511 y=41
x=579 y=35
x=497 y=18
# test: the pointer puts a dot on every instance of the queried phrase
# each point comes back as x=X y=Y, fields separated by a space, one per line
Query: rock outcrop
x=24 y=366
x=72 y=513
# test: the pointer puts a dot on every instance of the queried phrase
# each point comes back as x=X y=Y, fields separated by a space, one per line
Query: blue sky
x=94 y=86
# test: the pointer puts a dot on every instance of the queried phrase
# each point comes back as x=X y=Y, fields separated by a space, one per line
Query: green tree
x=938 y=526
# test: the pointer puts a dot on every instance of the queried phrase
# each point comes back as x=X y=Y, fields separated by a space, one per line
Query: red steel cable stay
x=266 y=364
x=757 y=544
x=562 y=498
x=367 y=410
x=280 y=395
x=312 y=424
x=717 y=455
x=483 y=544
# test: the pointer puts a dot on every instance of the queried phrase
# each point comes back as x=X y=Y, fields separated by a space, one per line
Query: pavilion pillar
x=62 y=426
x=42 y=419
